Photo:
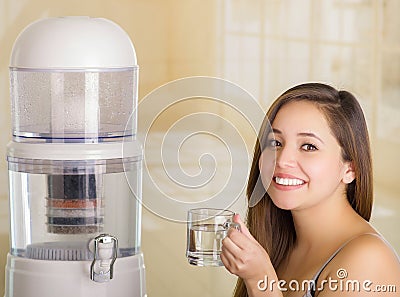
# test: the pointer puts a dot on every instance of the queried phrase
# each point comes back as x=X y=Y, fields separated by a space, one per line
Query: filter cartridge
x=74 y=204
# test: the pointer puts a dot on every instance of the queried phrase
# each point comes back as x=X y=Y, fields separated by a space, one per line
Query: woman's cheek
x=266 y=165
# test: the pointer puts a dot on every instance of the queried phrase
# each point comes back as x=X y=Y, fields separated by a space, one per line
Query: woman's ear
x=349 y=174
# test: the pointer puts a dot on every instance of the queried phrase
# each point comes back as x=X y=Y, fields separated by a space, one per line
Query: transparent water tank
x=74 y=84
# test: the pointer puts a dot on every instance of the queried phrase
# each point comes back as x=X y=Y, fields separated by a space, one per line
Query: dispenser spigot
x=105 y=249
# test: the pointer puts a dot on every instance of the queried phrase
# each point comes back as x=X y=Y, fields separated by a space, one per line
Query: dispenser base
x=32 y=278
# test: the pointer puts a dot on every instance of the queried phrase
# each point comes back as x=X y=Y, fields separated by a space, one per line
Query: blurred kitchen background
x=264 y=46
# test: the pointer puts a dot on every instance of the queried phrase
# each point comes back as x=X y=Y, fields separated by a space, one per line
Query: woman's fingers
x=243 y=228
x=231 y=243
x=227 y=258
x=232 y=253
x=242 y=256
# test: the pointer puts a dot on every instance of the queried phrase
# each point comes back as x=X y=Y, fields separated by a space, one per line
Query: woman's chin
x=285 y=203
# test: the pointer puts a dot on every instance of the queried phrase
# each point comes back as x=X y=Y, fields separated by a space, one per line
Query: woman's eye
x=309 y=147
x=273 y=143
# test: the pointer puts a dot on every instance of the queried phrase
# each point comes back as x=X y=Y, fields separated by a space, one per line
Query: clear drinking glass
x=206 y=228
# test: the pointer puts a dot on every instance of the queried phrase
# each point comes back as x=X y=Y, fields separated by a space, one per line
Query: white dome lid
x=73 y=43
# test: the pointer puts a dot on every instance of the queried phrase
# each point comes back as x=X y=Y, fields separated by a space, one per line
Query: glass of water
x=206 y=228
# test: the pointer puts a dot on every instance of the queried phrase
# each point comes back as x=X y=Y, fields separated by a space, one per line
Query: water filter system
x=75 y=166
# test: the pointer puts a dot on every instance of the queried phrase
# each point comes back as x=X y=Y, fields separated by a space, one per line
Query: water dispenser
x=74 y=162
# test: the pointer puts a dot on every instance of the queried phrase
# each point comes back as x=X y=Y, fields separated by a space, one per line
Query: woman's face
x=309 y=167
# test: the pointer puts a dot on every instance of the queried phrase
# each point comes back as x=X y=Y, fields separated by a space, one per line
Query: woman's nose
x=286 y=157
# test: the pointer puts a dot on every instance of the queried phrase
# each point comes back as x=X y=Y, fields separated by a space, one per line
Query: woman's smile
x=286 y=182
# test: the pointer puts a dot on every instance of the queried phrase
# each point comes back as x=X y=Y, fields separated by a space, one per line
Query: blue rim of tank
x=93 y=139
x=89 y=69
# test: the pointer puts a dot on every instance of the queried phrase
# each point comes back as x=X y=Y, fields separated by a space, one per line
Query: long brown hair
x=273 y=227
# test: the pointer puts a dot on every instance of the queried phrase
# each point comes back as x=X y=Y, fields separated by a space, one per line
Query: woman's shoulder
x=367 y=245
x=366 y=257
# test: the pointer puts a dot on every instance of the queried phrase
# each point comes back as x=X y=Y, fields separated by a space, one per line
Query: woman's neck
x=327 y=222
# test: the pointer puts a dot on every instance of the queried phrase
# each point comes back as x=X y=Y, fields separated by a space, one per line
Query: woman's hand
x=243 y=256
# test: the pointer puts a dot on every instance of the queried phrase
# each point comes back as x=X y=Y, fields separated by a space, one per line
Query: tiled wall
x=351 y=44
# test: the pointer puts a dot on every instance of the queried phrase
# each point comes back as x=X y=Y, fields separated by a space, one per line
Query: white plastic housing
x=77 y=42
x=33 y=278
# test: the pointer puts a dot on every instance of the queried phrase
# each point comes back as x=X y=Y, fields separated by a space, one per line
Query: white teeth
x=288 y=181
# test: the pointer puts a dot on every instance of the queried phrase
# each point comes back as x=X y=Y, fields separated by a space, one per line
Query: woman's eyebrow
x=303 y=134
x=276 y=131
x=309 y=134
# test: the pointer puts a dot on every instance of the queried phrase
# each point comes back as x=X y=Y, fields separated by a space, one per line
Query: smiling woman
x=313 y=218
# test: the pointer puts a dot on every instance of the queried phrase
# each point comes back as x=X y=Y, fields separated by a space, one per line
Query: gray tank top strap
x=311 y=292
